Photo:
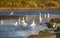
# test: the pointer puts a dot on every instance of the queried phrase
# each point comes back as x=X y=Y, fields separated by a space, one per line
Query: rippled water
x=8 y=30
x=19 y=31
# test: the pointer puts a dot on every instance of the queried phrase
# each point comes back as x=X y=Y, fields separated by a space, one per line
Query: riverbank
x=43 y=34
x=29 y=8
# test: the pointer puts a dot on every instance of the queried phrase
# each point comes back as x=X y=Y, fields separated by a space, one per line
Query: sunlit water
x=9 y=30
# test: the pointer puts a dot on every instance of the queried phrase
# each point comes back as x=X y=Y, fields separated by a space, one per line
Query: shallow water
x=8 y=30
x=12 y=31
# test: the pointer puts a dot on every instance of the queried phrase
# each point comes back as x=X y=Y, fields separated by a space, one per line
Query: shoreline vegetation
x=29 y=5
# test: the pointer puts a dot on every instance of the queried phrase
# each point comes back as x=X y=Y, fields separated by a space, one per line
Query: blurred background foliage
x=29 y=3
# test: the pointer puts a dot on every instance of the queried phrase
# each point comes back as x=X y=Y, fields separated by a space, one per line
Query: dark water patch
x=30 y=12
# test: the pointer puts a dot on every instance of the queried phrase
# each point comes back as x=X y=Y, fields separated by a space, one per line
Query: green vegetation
x=29 y=3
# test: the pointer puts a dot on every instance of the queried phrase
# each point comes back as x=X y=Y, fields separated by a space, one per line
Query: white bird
x=16 y=23
x=2 y=22
x=40 y=18
x=48 y=15
x=23 y=22
x=45 y=15
x=54 y=25
x=33 y=23
x=11 y=13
